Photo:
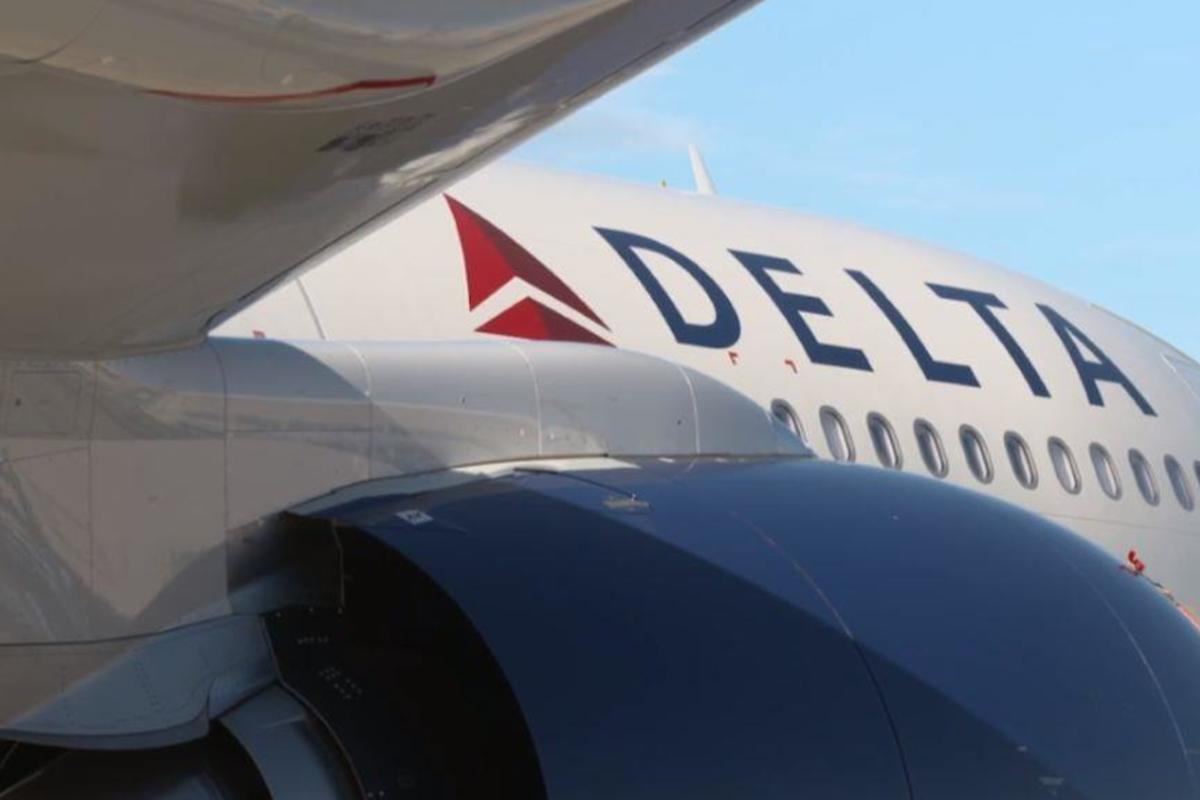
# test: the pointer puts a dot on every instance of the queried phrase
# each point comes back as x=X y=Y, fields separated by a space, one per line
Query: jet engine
x=773 y=627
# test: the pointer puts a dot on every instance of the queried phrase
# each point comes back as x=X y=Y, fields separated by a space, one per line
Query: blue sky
x=1060 y=139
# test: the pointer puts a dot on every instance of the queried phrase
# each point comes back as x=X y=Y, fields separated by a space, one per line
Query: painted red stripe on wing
x=356 y=86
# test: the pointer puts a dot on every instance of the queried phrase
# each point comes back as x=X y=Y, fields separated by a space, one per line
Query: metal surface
x=290 y=749
x=153 y=505
x=411 y=280
x=213 y=769
x=211 y=147
x=402 y=687
x=263 y=51
x=129 y=514
x=131 y=694
x=1013 y=656
x=762 y=629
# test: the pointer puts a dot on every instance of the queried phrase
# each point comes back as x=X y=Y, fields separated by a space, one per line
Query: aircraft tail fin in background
x=703 y=178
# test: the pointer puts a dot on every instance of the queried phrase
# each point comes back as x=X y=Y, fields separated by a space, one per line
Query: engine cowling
x=751 y=628
x=775 y=628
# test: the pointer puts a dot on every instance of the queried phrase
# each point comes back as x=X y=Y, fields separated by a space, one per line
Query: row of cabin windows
x=979 y=460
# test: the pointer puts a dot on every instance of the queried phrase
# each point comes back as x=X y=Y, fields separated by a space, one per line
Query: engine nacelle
x=758 y=628
x=778 y=628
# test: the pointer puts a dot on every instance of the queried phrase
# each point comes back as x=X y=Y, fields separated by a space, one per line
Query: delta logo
x=493 y=260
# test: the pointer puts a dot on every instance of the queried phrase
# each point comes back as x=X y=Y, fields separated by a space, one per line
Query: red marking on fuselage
x=316 y=94
x=529 y=319
x=791 y=364
x=493 y=258
x=1137 y=568
x=733 y=357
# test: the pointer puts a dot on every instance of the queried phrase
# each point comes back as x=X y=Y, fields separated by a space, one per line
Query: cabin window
x=930 y=445
x=1064 y=466
x=883 y=438
x=1106 y=471
x=837 y=435
x=1021 y=460
x=1179 y=482
x=1144 y=476
x=782 y=410
x=978 y=458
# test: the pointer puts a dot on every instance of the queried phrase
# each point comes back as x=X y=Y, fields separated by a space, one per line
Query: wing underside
x=166 y=162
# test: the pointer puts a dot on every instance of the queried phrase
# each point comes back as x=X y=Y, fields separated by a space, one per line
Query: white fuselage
x=1029 y=360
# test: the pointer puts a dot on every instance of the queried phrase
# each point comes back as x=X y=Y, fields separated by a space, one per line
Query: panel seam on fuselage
x=312 y=310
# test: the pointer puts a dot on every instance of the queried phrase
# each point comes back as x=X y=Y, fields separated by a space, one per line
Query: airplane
x=871 y=348
x=325 y=473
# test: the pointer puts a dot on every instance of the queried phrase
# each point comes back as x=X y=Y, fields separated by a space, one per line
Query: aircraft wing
x=164 y=162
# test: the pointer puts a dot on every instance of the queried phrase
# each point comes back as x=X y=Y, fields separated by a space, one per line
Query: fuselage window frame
x=1143 y=476
x=883 y=439
x=1020 y=458
x=1106 y=471
x=1065 y=466
x=975 y=448
x=783 y=411
x=1179 y=483
x=837 y=435
x=929 y=445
